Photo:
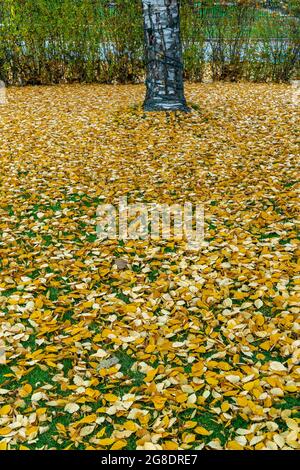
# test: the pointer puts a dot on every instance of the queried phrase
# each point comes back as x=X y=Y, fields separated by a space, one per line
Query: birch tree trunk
x=165 y=90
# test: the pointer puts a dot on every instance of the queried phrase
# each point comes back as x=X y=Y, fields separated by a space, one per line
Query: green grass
x=265 y=23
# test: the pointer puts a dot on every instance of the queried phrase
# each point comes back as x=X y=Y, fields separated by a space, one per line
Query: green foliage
x=65 y=41
x=55 y=41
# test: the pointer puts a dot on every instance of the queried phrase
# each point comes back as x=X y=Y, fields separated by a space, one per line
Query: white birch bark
x=164 y=82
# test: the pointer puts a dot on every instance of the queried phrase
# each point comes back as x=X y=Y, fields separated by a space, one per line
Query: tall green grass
x=65 y=41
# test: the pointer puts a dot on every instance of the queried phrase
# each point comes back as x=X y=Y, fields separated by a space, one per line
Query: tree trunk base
x=160 y=105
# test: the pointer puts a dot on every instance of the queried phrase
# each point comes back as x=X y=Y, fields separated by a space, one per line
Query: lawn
x=147 y=345
x=265 y=24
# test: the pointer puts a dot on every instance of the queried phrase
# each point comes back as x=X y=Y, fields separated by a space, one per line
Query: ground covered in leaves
x=147 y=345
